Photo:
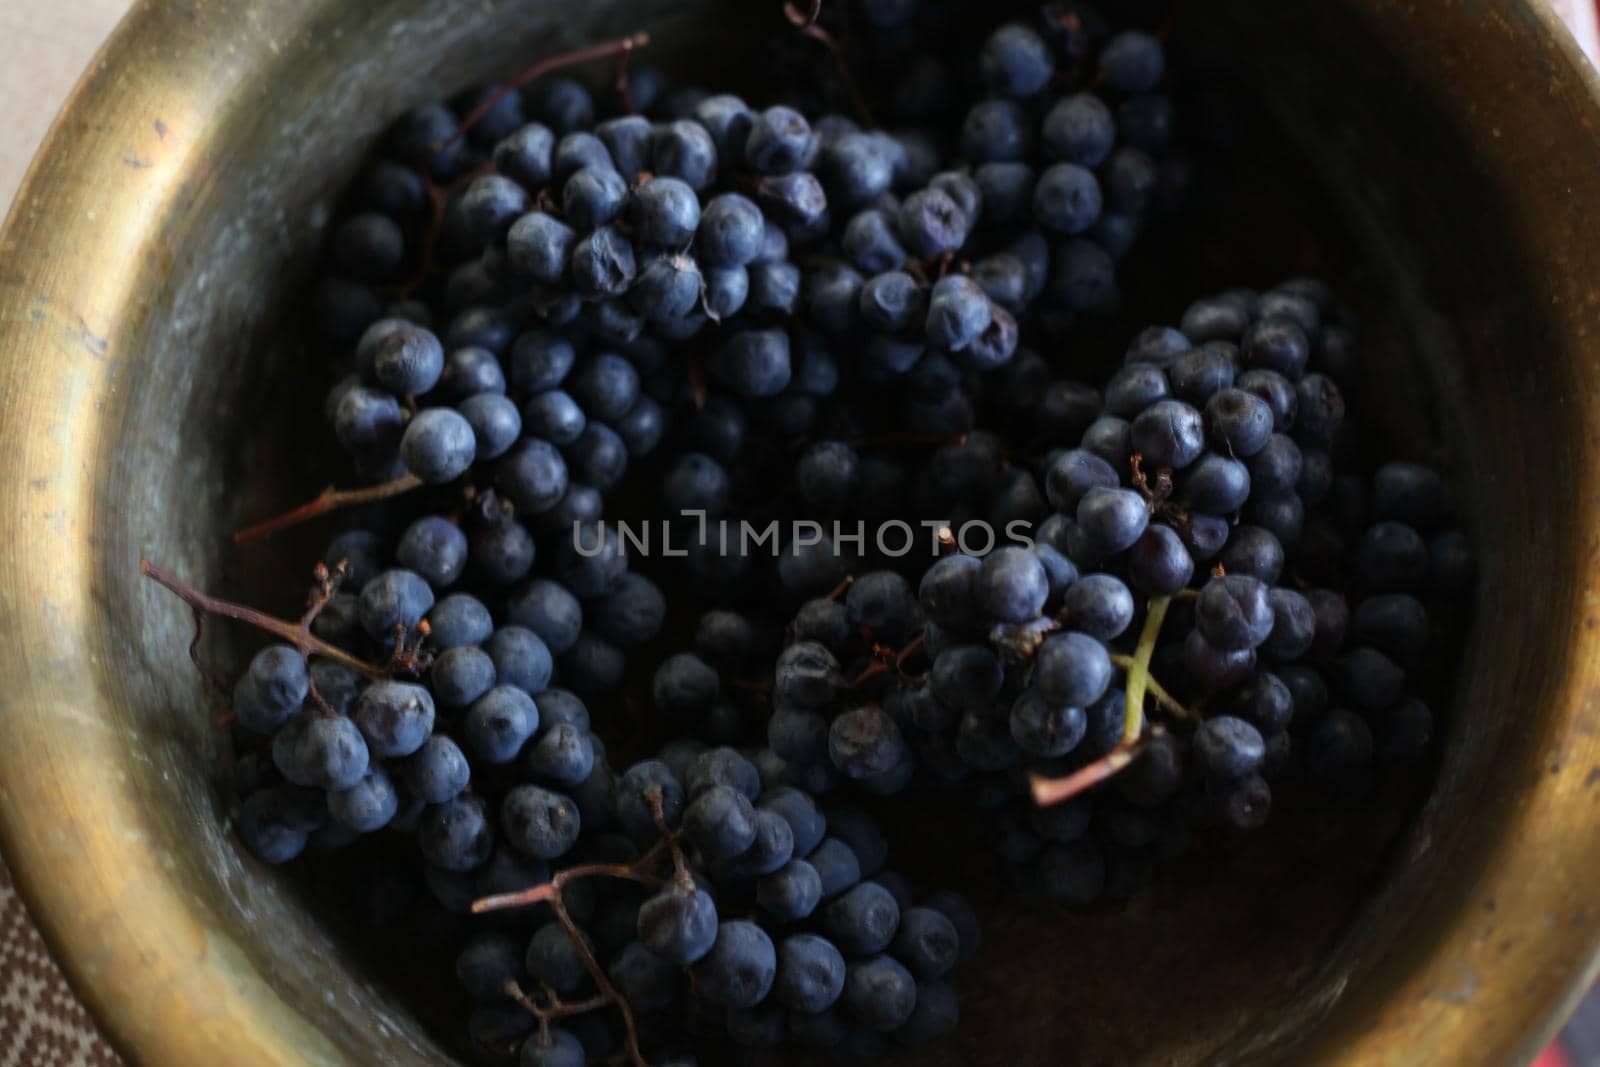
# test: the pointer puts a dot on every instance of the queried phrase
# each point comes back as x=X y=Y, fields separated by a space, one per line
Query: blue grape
x=1233 y=612
x=395 y=718
x=679 y=925
x=499 y=723
x=562 y=756
x=366 y=806
x=437 y=772
x=539 y=823
x=461 y=675
x=520 y=659
x=455 y=836
x=810 y=973
x=863 y=920
x=394 y=598
x=879 y=993
x=721 y=822
x=740 y=969
x=790 y=893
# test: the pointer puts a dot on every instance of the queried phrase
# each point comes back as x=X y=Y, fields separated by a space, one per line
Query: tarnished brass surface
x=144 y=281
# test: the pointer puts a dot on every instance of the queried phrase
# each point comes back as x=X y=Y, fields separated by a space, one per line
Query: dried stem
x=328 y=582
x=681 y=874
x=875 y=668
x=1048 y=791
x=297 y=634
x=913 y=646
x=806 y=22
x=884 y=658
x=430 y=235
x=621 y=83
x=557 y=1008
x=544 y=66
x=199 y=665
x=841 y=68
x=801 y=19
x=551 y=893
x=1154 y=495
x=698 y=390
x=330 y=499
x=602 y=981
x=318 y=699
x=408 y=656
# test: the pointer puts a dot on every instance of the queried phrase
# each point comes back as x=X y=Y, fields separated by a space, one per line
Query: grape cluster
x=569 y=260
x=782 y=919
x=785 y=916
x=1200 y=544
x=1114 y=615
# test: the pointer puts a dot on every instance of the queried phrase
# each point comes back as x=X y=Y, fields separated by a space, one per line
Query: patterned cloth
x=41 y=1022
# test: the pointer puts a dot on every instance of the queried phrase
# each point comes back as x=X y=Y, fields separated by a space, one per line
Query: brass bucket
x=147 y=364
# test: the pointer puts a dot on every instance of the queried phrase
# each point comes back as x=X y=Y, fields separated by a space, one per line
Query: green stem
x=1139 y=670
x=1157 y=690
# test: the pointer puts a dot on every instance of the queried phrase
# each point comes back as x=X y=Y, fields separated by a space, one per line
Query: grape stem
x=698 y=391
x=912 y=648
x=1135 y=737
x=805 y=22
x=681 y=875
x=801 y=19
x=437 y=195
x=330 y=499
x=621 y=84
x=883 y=658
x=551 y=893
x=1139 y=670
x=556 y=1008
x=298 y=634
x=1048 y=791
x=1157 y=690
x=621 y=46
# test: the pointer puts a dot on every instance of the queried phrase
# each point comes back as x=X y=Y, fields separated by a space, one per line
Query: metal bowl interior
x=1448 y=156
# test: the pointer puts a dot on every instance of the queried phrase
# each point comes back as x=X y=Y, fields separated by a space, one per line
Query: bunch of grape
x=566 y=265
x=1113 y=617
x=363 y=732
x=786 y=917
x=1203 y=544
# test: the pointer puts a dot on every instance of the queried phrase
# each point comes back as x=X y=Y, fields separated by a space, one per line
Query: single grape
x=678 y=924
x=740 y=969
x=810 y=973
